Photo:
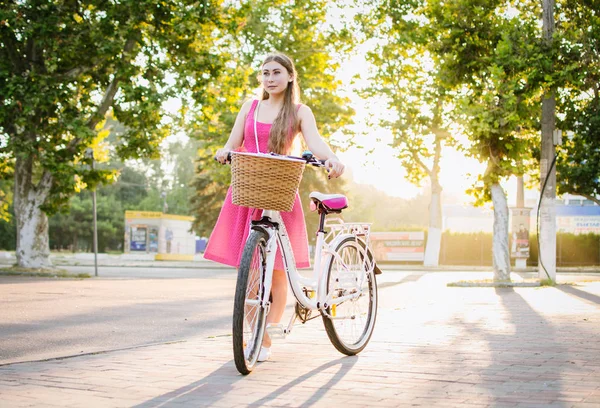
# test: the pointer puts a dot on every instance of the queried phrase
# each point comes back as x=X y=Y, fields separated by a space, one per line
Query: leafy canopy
x=64 y=65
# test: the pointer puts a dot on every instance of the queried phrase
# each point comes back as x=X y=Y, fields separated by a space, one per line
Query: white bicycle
x=342 y=288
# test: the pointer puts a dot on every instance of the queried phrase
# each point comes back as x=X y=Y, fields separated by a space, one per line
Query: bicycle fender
x=362 y=243
x=376 y=269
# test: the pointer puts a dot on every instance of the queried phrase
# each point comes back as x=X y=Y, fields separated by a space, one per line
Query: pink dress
x=227 y=240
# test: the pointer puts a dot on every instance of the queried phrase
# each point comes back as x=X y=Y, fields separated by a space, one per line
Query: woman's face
x=275 y=77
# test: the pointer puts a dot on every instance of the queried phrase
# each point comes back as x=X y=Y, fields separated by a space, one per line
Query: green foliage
x=476 y=249
x=466 y=248
x=6 y=195
x=73 y=230
x=386 y=213
x=8 y=231
x=579 y=161
x=578 y=76
x=139 y=186
x=583 y=249
x=467 y=65
x=42 y=273
x=547 y=282
x=491 y=68
x=64 y=65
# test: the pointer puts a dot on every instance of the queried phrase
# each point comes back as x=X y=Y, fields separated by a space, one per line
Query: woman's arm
x=316 y=144
x=236 y=137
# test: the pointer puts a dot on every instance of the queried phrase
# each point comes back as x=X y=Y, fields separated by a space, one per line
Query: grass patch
x=547 y=282
x=491 y=283
x=41 y=273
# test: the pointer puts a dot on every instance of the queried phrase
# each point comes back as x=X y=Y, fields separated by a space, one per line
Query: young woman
x=279 y=119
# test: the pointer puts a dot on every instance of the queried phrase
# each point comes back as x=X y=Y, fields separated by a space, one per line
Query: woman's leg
x=279 y=290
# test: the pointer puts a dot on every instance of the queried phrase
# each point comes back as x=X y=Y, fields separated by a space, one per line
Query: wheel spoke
x=249 y=314
x=354 y=318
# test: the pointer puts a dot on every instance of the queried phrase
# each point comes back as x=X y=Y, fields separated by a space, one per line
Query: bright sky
x=381 y=167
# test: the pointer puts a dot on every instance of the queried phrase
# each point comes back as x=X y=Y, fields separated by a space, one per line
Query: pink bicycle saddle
x=334 y=202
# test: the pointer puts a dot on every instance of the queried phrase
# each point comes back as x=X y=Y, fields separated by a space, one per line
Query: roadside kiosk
x=165 y=235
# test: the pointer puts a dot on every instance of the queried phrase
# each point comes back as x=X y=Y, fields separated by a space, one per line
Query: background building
x=168 y=236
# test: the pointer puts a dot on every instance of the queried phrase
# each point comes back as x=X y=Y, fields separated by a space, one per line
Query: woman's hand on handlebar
x=334 y=167
x=223 y=155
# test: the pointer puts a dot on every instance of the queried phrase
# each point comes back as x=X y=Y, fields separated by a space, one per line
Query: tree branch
x=73 y=72
x=33 y=56
x=109 y=95
x=419 y=162
x=437 y=154
x=12 y=48
x=112 y=89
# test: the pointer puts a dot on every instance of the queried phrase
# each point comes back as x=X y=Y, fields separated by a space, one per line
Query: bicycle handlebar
x=306 y=156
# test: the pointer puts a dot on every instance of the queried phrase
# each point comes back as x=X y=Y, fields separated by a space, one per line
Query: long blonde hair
x=286 y=124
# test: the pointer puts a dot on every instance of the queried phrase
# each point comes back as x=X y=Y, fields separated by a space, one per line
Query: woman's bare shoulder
x=246 y=105
x=304 y=111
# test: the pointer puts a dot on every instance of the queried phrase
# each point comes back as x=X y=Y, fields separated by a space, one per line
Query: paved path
x=433 y=346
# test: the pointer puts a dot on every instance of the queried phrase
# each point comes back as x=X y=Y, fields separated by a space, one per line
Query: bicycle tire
x=248 y=291
x=349 y=249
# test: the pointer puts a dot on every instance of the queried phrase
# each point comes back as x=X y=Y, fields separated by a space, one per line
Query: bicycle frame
x=311 y=292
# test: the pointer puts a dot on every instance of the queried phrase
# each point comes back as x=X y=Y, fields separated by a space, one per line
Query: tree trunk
x=33 y=249
x=500 y=249
x=434 y=234
x=74 y=242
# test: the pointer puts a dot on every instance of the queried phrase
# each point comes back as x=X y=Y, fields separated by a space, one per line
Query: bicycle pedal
x=276 y=331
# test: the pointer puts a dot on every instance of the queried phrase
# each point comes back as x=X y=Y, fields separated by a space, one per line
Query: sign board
x=520 y=232
x=138 y=238
x=579 y=224
x=398 y=246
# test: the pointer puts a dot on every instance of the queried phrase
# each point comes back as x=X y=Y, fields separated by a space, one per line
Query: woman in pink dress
x=279 y=119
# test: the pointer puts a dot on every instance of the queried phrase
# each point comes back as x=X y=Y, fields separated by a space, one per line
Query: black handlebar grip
x=228 y=158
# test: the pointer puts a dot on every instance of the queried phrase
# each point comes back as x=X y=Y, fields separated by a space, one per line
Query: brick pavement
x=433 y=346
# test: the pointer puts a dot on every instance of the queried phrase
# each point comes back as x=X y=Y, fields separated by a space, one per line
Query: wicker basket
x=265 y=181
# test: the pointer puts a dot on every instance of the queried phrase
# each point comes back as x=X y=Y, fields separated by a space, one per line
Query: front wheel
x=249 y=316
x=349 y=324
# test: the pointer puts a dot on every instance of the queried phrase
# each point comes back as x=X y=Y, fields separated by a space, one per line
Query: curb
x=475 y=284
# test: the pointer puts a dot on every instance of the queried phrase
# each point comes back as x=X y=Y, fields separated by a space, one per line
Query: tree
x=494 y=65
x=71 y=230
x=417 y=102
x=298 y=29
x=64 y=65
x=578 y=76
x=483 y=53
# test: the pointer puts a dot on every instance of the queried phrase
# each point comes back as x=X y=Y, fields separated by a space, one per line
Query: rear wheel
x=350 y=323
x=249 y=316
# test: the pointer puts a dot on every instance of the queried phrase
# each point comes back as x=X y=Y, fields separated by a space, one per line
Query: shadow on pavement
x=570 y=290
x=345 y=365
x=525 y=365
x=216 y=385
x=204 y=392
x=413 y=277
